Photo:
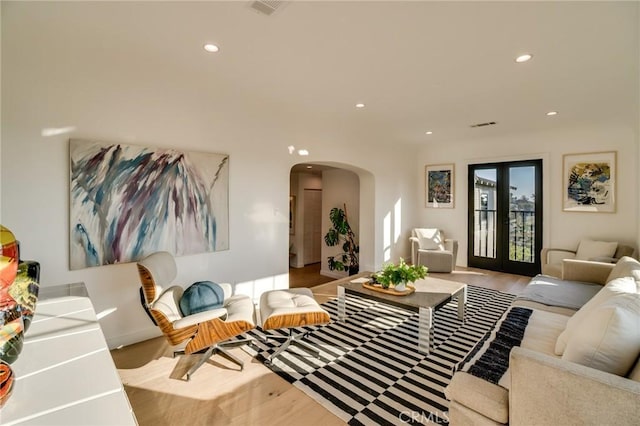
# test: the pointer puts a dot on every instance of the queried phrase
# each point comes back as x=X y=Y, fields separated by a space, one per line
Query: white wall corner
x=114 y=342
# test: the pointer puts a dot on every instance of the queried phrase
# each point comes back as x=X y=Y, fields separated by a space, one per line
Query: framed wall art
x=129 y=201
x=439 y=186
x=589 y=182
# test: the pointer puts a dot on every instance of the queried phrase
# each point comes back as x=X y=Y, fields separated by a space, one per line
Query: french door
x=505 y=216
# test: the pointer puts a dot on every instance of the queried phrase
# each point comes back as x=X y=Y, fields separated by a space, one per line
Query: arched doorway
x=330 y=185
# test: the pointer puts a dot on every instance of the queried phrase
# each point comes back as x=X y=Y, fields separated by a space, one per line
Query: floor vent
x=488 y=123
x=267 y=7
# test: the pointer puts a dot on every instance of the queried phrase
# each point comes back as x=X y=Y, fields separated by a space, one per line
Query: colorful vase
x=6 y=382
x=25 y=289
x=11 y=325
x=8 y=262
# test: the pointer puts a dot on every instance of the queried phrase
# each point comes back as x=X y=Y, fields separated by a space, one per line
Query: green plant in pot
x=399 y=275
x=341 y=233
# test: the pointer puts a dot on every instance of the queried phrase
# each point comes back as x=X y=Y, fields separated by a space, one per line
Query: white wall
x=638 y=134
x=561 y=229
x=0 y=111
x=54 y=75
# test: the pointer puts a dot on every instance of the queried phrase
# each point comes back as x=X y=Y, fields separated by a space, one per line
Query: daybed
x=565 y=353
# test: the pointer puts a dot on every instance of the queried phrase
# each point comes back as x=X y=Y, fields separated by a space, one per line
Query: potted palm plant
x=341 y=233
x=400 y=275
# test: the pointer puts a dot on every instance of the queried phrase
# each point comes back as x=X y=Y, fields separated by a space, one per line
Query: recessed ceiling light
x=428 y=133
x=524 y=58
x=551 y=113
x=309 y=167
x=303 y=152
x=359 y=105
x=211 y=48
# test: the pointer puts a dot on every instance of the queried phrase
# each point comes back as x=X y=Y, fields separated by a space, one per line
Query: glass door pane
x=505 y=216
x=522 y=214
x=485 y=208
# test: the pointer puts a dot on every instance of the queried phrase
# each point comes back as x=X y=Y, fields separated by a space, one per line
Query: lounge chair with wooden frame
x=206 y=331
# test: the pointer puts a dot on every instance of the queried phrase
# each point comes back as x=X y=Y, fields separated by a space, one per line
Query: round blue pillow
x=201 y=296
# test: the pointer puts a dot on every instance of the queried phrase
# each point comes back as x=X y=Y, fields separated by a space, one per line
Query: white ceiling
x=417 y=66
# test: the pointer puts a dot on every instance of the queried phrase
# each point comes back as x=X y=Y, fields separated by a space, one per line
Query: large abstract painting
x=129 y=201
x=589 y=182
x=439 y=185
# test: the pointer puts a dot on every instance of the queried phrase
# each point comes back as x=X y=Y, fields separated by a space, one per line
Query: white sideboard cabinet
x=65 y=374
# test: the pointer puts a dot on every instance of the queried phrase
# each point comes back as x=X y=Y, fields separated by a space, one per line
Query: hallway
x=308 y=276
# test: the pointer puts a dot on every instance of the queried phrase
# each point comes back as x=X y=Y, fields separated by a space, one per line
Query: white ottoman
x=290 y=308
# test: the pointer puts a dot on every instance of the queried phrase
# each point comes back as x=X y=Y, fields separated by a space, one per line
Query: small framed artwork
x=439 y=184
x=292 y=214
x=589 y=182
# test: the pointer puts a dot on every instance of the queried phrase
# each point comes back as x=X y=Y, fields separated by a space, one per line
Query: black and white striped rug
x=370 y=371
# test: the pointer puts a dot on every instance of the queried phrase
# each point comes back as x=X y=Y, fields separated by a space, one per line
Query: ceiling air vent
x=267 y=7
x=488 y=123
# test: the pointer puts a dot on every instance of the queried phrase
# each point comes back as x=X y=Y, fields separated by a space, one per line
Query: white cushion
x=199 y=317
x=162 y=268
x=169 y=303
x=430 y=238
x=618 y=286
x=608 y=339
x=625 y=267
x=588 y=249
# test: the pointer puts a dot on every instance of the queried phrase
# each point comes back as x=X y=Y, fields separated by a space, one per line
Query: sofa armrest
x=548 y=390
x=452 y=246
x=586 y=271
x=604 y=259
x=552 y=255
x=415 y=246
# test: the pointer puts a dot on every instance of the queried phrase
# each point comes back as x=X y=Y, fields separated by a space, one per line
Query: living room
x=136 y=73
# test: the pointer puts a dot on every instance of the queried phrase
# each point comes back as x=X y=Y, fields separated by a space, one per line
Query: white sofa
x=598 y=251
x=540 y=387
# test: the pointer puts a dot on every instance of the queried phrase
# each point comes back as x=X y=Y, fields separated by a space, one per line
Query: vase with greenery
x=341 y=233
x=399 y=275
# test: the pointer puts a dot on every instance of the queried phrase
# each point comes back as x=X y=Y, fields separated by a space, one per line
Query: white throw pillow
x=618 y=286
x=430 y=238
x=609 y=337
x=625 y=267
x=588 y=249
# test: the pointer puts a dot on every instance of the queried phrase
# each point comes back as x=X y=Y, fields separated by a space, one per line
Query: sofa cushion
x=617 y=286
x=491 y=399
x=479 y=395
x=552 y=292
x=430 y=238
x=625 y=267
x=608 y=338
x=588 y=249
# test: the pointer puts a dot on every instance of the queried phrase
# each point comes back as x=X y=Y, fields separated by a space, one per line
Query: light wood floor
x=220 y=394
x=309 y=276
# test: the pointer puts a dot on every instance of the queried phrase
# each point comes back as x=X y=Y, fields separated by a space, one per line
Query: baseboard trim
x=131 y=338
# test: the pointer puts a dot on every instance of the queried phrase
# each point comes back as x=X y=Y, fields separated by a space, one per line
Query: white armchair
x=431 y=249
x=595 y=251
